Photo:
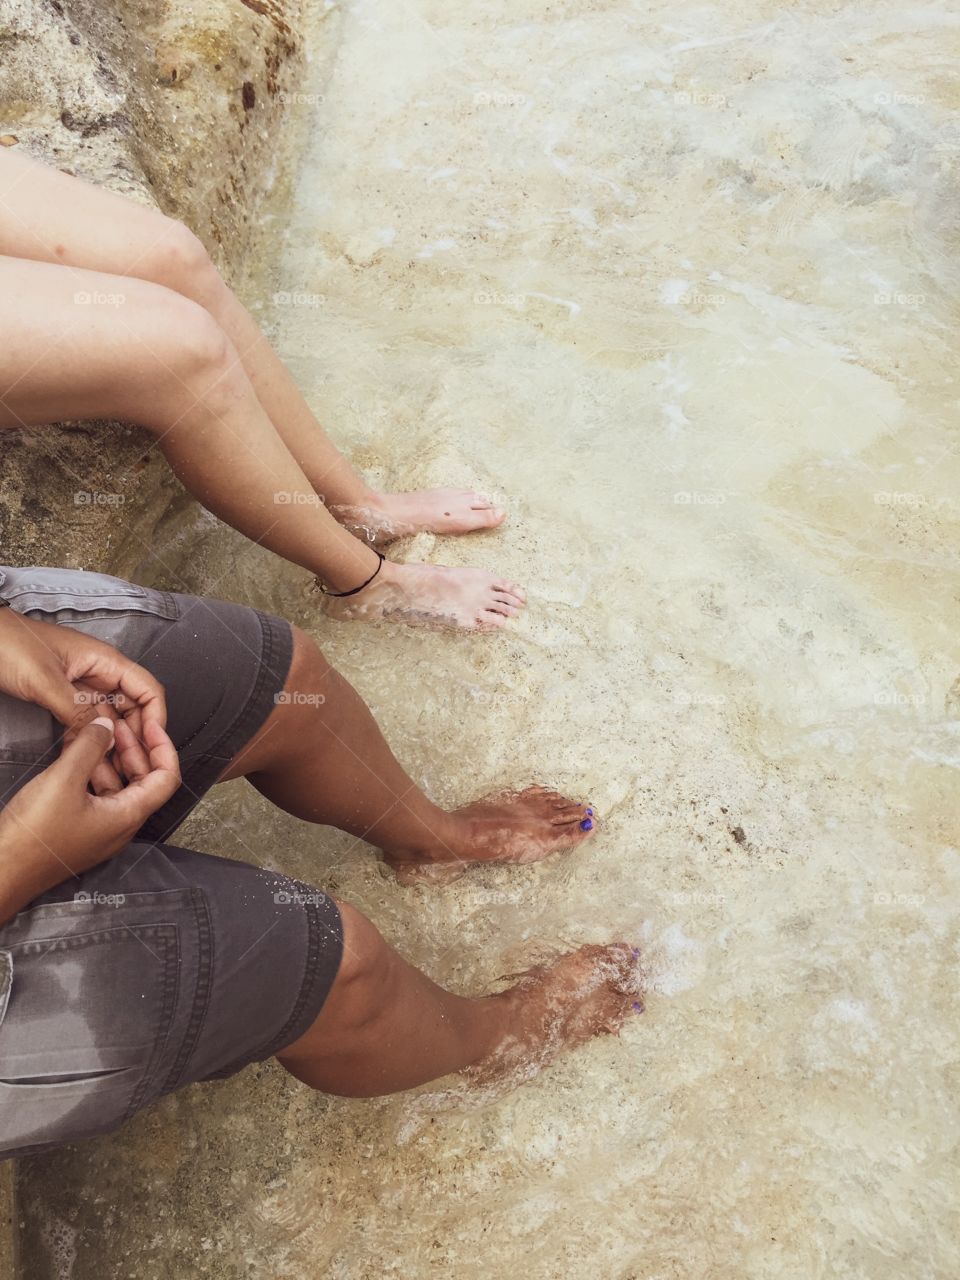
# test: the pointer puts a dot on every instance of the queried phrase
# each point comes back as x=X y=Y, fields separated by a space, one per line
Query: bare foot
x=556 y=1007
x=429 y=595
x=397 y=515
x=509 y=826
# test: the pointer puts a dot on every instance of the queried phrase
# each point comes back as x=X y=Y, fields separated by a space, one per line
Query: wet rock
x=85 y=86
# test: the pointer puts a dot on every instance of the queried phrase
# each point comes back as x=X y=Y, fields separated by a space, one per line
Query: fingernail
x=104 y=722
x=586 y=825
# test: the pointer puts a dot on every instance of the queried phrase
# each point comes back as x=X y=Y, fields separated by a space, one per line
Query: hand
x=76 y=678
x=54 y=827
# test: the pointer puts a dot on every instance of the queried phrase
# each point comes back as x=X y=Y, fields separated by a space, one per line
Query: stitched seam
x=204 y=989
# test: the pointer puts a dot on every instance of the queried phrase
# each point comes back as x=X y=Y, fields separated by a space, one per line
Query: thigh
x=222 y=666
x=50 y=216
x=156 y=969
x=83 y=344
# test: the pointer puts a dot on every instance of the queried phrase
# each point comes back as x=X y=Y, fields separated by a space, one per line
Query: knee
x=309 y=669
x=361 y=978
x=199 y=354
x=179 y=261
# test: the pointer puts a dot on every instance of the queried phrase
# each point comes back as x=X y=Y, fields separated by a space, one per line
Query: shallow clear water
x=677 y=282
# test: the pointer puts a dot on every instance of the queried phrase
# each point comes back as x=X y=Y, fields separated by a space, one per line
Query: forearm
x=25 y=874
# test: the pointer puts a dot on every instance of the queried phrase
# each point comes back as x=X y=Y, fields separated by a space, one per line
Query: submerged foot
x=510 y=826
x=398 y=515
x=429 y=595
x=556 y=1007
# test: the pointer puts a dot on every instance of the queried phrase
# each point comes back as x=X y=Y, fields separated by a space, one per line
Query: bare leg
x=79 y=344
x=321 y=757
x=49 y=216
x=361 y=1044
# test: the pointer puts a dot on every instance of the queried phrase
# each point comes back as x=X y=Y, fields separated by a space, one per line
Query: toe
x=487 y=620
x=505 y=607
x=511 y=589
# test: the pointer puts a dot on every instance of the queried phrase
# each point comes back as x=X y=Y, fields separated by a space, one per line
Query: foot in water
x=556 y=1007
x=429 y=595
x=510 y=826
x=389 y=516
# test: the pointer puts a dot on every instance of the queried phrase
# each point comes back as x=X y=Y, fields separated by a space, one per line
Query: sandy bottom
x=677 y=283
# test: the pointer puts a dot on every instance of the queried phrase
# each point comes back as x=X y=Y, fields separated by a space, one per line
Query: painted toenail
x=637 y=1007
x=589 y=813
x=586 y=825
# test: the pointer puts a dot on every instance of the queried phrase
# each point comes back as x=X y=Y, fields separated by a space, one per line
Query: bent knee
x=308 y=666
x=195 y=352
x=179 y=260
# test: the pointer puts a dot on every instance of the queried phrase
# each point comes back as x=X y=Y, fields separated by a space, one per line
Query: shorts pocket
x=87 y=1017
x=51 y=591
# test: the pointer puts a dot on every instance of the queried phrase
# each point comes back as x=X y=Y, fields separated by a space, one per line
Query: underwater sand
x=678 y=283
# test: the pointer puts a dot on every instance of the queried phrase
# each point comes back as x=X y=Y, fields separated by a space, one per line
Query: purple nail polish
x=637 y=1007
x=589 y=813
x=586 y=825
x=636 y=952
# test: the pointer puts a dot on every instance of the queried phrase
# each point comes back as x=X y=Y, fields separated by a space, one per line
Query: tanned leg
x=321 y=756
x=361 y=1044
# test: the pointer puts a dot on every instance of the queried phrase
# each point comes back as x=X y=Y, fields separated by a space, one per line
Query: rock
x=88 y=87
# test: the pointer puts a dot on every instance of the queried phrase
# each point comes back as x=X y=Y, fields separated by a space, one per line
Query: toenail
x=589 y=813
x=636 y=952
x=637 y=1007
x=586 y=825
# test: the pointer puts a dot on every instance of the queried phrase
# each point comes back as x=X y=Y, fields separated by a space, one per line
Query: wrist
x=27 y=867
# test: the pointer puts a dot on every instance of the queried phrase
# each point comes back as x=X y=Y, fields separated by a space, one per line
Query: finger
x=72 y=707
x=148 y=793
x=130 y=755
x=88 y=705
x=134 y=718
x=163 y=754
x=105 y=779
x=88 y=749
x=112 y=672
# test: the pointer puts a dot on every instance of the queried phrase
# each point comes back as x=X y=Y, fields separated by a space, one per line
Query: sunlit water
x=678 y=283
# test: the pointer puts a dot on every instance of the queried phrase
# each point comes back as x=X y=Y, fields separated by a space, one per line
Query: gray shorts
x=162 y=966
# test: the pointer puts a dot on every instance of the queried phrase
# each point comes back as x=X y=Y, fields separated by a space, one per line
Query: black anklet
x=340 y=595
